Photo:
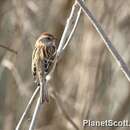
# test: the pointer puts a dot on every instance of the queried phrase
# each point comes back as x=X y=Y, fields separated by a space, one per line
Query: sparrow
x=43 y=58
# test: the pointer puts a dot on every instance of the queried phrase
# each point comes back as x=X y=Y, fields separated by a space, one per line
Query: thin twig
x=73 y=30
x=27 y=108
x=72 y=21
x=106 y=40
x=8 y=49
x=62 y=108
x=68 y=31
x=33 y=121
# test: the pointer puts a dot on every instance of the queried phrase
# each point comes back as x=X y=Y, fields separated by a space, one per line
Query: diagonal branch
x=27 y=108
x=70 y=27
x=33 y=121
x=68 y=32
x=8 y=49
x=106 y=40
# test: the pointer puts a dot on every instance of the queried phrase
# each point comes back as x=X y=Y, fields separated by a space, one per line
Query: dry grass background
x=87 y=79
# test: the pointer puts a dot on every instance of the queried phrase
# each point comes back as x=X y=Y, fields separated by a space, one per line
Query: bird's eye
x=48 y=38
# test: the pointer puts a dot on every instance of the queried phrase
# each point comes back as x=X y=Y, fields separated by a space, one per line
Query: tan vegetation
x=87 y=82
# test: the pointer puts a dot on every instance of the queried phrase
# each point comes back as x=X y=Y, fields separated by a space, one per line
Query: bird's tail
x=43 y=92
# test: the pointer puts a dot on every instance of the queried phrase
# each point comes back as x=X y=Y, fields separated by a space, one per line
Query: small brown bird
x=42 y=61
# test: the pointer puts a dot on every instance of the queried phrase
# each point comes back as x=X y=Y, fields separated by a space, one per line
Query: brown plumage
x=42 y=61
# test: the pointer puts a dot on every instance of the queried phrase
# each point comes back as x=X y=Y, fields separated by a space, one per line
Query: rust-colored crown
x=48 y=34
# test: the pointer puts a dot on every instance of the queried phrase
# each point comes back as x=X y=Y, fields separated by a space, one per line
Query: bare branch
x=33 y=122
x=62 y=108
x=27 y=108
x=8 y=49
x=106 y=40
x=70 y=27
x=68 y=31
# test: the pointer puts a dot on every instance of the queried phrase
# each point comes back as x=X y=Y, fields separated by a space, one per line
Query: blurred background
x=87 y=79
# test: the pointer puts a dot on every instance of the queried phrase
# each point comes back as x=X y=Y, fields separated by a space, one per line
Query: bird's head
x=46 y=39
